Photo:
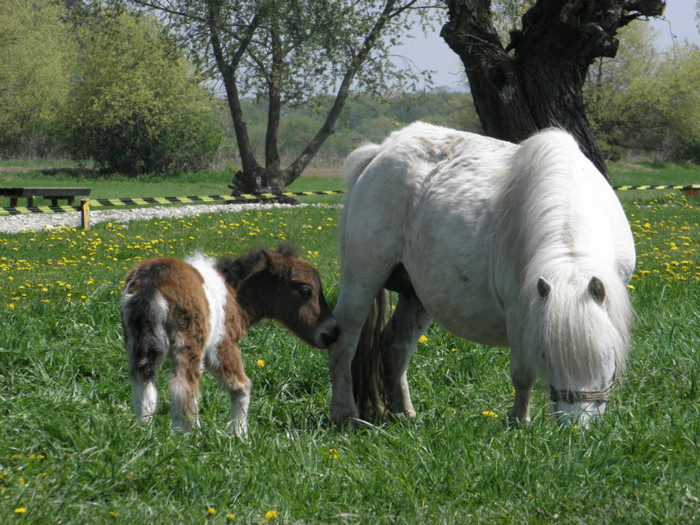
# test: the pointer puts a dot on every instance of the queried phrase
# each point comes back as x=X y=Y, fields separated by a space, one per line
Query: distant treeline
x=364 y=119
x=116 y=89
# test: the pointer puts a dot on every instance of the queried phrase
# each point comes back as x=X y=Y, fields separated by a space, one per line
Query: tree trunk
x=540 y=84
x=302 y=161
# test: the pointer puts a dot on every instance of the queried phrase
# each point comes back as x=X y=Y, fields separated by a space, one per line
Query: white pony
x=512 y=245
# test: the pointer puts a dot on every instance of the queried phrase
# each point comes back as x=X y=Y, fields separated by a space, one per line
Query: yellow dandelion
x=230 y=517
x=423 y=339
x=211 y=511
x=20 y=510
x=261 y=363
x=489 y=413
x=271 y=514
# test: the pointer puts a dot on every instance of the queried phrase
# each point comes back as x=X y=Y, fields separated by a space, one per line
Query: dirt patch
x=16 y=169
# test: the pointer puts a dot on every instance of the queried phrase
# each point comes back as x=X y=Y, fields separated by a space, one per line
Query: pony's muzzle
x=579 y=413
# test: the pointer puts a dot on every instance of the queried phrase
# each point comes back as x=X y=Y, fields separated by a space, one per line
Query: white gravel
x=20 y=223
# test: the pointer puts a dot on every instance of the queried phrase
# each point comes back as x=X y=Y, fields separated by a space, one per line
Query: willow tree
x=533 y=79
x=37 y=59
x=288 y=52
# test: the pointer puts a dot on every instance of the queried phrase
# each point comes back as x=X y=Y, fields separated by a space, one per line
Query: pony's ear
x=543 y=287
x=597 y=290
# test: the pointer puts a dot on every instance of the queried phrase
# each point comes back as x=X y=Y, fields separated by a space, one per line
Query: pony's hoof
x=518 y=421
x=405 y=415
x=343 y=419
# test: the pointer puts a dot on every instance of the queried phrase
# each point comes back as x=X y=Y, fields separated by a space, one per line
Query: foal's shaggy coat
x=195 y=311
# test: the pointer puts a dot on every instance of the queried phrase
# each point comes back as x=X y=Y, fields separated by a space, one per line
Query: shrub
x=137 y=107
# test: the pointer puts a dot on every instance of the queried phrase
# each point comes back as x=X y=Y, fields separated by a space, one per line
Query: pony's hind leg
x=351 y=312
x=398 y=342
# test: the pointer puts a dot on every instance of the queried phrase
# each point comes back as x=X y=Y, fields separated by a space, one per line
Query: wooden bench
x=48 y=193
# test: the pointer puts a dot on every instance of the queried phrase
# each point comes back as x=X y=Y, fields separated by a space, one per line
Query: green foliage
x=318 y=42
x=136 y=106
x=644 y=100
x=37 y=55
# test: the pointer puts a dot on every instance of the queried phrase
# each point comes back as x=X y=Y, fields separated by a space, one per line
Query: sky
x=431 y=52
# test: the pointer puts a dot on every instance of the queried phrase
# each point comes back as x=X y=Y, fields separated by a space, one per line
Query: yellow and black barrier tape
x=150 y=201
x=683 y=187
x=246 y=197
x=48 y=210
x=146 y=201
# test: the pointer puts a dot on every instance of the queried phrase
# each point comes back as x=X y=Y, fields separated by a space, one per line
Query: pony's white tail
x=356 y=163
x=353 y=167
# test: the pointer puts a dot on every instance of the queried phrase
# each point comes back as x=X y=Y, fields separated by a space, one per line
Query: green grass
x=72 y=452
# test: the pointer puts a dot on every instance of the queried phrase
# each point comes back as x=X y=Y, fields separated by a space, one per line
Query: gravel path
x=19 y=223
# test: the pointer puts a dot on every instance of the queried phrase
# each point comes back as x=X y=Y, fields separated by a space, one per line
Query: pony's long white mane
x=550 y=220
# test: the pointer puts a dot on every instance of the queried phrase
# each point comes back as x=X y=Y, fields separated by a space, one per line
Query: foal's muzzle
x=330 y=335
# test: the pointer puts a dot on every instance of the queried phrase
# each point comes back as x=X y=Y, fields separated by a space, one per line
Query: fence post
x=85 y=213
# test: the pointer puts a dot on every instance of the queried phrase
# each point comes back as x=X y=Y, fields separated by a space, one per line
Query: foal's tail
x=367 y=368
x=144 y=313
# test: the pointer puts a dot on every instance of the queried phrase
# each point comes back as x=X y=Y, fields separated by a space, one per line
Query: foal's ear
x=543 y=287
x=597 y=290
x=278 y=264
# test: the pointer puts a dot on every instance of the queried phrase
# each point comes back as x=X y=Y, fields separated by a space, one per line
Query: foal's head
x=279 y=285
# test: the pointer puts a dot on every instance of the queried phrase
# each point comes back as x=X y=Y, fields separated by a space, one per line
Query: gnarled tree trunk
x=536 y=80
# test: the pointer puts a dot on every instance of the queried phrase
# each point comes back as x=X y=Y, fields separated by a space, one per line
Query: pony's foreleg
x=523 y=378
x=398 y=342
x=227 y=368
x=184 y=388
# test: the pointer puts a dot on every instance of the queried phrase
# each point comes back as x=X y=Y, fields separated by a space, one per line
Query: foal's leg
x=146 y=353
x=184 y=387
x=144 y=395
x=398 y=342
x=227 y=368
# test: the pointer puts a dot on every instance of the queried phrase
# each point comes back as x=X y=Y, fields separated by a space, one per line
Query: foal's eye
x=305 y=291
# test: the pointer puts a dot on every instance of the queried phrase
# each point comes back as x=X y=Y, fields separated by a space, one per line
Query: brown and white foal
x=195 y=311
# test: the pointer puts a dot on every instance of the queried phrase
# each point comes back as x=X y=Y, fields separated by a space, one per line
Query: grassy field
x=72 y=452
